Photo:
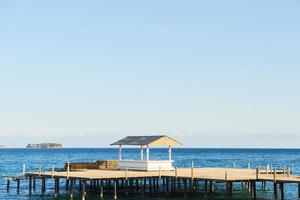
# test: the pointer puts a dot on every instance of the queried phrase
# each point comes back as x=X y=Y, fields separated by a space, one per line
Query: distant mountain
x=45 y=145
x=1 y=146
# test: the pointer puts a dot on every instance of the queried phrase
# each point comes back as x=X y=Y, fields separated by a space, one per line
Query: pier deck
x=181 y=180
x=214 y=174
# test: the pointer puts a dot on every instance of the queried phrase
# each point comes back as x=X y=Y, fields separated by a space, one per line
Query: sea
x=12 y=160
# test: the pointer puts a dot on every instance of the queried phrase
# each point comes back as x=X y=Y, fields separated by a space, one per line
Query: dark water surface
x=11 y=161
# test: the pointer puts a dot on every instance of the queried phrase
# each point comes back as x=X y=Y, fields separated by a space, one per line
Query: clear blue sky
x=209 y=73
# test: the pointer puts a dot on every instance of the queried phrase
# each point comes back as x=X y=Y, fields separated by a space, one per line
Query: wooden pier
x=114 y=178
x=181 y=181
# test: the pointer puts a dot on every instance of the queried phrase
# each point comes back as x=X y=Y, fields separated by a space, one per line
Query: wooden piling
x=18 y=186
x=264 y=183
x=67 y=184
x=137 y=185
x=242 y=185
x=150 y=185
x=210 y=186
x=299 y=190
x=115 y=189
x=80 y=185
x=254 y=190
x=142 y=186
x=101 y=189
x=126 y=187
x=229 y=189
x=167 y=185
x=71 y=188
x=91 y=183
x=178 y=184
x=83 y=189
x=131 y=185
x=282 y=190
x=56 y=186
x=275 y=191
x=110 y=186
x=145 y=184
x=153 y=185
x=174 y=185
x=34 y=183
x=185 y=186
x=30 y=184
x=123 y=184
x=7 y=184
x=249 y=187
x=98 y=184
x=43 y=184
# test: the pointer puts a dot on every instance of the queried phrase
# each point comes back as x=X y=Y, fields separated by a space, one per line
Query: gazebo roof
x=155 y=140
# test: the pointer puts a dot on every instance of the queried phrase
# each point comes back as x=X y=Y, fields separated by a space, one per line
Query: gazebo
x=147 y=141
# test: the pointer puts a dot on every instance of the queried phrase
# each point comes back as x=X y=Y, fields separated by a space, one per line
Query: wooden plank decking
x=215 y=174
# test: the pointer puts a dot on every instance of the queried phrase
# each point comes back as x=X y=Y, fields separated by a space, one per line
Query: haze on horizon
x=208 y=73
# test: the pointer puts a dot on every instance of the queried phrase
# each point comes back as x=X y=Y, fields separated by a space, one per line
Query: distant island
x=45 y=145
x=1 y=146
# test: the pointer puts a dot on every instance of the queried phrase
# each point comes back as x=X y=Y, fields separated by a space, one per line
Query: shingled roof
x=155 y=140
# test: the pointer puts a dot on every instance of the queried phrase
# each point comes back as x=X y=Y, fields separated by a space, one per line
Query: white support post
x=120 y=152
x=142 y=152
x=40 y=170
x=52 y=173
x=147 y=152
x=192 y=170
x=68 y=170
x=170 y=153
x=24 y=170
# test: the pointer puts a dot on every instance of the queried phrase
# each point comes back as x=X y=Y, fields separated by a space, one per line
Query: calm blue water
x=11 y=161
